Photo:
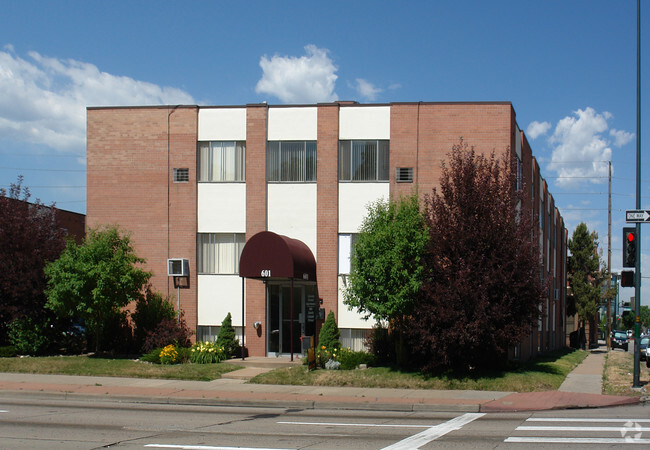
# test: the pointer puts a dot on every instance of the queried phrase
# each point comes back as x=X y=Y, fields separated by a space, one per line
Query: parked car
x=619 y=340
x=643 y=348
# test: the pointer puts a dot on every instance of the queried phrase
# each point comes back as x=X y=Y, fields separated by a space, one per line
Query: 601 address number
x=266 y=273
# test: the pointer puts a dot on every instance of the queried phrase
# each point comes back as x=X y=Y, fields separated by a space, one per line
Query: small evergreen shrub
x=207 y=353
x=226 y=338
x=330 y=335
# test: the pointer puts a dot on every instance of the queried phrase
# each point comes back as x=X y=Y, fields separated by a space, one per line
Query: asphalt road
x=28 y=422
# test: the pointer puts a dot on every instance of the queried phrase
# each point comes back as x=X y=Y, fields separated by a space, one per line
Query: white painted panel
x=222 y=207
x=350 y=319
x=222 y=124
x=293 y=124
x=353 y=201
x=364 y=122
x=292 y=211
x=219 y=295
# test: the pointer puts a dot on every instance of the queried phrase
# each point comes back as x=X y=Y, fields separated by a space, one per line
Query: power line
x=43 y=170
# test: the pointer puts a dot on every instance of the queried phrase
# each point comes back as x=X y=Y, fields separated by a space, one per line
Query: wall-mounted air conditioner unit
x=178 y=267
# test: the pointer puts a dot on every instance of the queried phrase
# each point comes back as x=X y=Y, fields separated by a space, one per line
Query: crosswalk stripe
x=552 y=440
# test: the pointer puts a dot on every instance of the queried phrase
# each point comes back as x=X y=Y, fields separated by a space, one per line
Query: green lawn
x=546 y=373
x=97 y=366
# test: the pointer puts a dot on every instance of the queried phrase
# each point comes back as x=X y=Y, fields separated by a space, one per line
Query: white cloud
x=536 y=129
x=305 y=79
x=366 y=89
x=43 y=100
x=581 y=147
x=621 y=137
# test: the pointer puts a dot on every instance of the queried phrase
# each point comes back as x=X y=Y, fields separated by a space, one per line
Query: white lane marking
x=620 y=429
x=433 y=433
x=586 y=419
x=3 y=411
x=550 y=440
x=334 y=424
x=207 y=447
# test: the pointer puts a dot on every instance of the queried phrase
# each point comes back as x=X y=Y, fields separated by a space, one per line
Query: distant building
x=199 y=183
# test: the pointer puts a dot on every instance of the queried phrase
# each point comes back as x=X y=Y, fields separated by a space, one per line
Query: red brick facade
x=132 y=153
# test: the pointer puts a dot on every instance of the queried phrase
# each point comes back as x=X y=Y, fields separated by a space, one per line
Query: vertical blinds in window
x=291 y=161
x=363 y=160
x=222 y=161
x=219 y=253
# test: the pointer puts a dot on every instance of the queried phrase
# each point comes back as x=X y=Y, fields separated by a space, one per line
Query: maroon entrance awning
x=270 y=255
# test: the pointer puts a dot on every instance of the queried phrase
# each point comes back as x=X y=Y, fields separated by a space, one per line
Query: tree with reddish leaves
x=482 y=289
x=29 y=239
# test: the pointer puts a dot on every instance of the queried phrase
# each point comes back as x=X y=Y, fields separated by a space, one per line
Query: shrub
x=28 y=336
x=169 y=355
x=152 y=357
x=381 y=346
x=8 y=351
x=150 y=310
x=351 y=359
x=226 y=337
x=168 y=332
x=116 y=333
x=207 y=353
x=329 y=334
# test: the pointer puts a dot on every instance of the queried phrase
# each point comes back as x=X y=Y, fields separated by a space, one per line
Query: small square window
x=181 y=175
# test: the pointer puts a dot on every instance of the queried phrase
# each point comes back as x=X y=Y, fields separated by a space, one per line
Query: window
x=222 y=161
x=346 y=246
x=520 y=174
x=219 y=252
x=291 y=161
x=181 y=175
x=363 y=161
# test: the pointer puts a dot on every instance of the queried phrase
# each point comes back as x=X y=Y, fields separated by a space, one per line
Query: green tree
x=386 y=261
x=645 y=317
x=585 y=274
x=94 y=280
x=150 y=310
x=482 y=290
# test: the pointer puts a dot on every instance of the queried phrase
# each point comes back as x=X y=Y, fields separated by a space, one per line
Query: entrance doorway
x=279 y=317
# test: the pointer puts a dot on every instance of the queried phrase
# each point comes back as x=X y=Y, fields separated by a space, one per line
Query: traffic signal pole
x=637 y=277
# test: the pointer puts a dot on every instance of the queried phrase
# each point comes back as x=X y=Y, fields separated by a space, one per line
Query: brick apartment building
x=288 y=186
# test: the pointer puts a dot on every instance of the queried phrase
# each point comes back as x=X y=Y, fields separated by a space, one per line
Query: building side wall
x=131 y=153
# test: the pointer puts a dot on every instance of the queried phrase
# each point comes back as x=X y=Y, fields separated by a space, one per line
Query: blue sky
x=568 y=67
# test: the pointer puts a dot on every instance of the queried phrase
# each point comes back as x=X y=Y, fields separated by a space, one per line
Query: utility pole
x=608 y=331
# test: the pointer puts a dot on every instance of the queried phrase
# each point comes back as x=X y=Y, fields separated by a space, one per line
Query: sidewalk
x=581 y=389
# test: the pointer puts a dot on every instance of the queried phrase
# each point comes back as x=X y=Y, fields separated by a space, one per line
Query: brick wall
x=327 y=200
x=256 y=127
x=129 y=183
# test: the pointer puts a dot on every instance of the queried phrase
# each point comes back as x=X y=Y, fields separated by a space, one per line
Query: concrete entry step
x=262 y=362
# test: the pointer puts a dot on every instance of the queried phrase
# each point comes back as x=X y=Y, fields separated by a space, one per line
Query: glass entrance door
x=280 y=318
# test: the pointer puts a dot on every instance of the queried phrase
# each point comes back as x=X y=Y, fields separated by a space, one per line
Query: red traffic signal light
x=629 y=247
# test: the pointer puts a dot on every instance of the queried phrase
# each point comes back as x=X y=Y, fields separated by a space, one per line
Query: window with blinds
x=219 y=253
x=221 y=161
x=291 y=161
x=363 y=160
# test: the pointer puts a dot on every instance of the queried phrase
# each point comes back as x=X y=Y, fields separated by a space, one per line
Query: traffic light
x=627 y=278
x=629 y=247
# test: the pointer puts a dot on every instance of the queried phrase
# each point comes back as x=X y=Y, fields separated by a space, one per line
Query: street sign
x=637 y=215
